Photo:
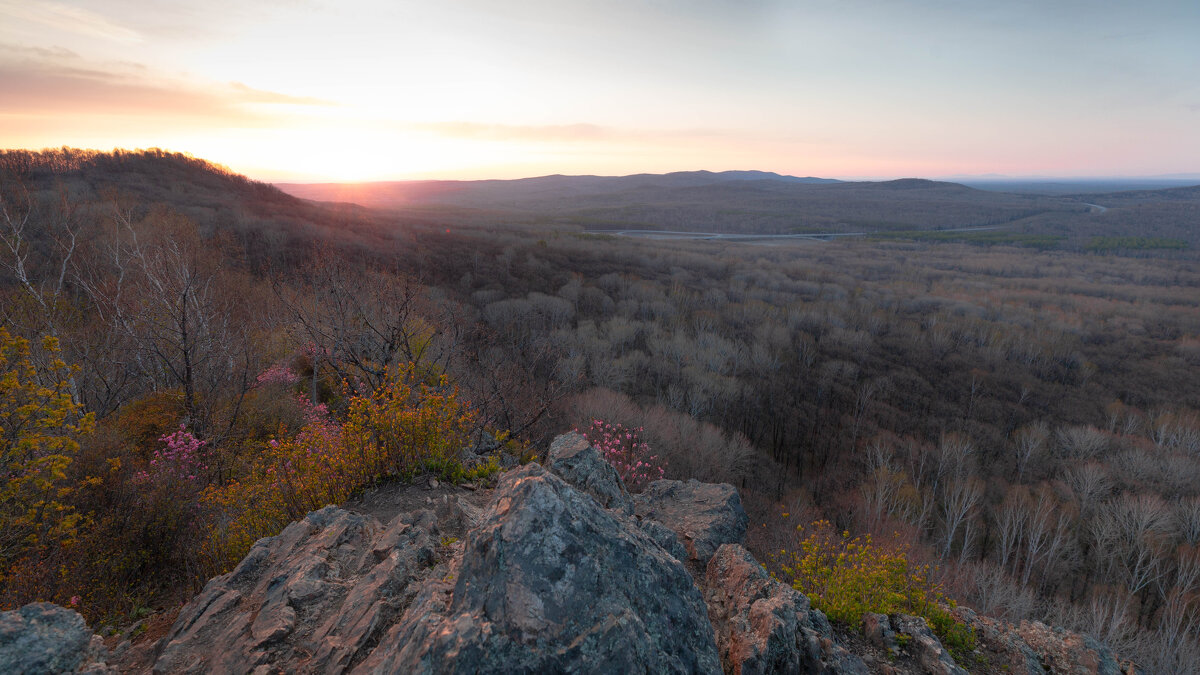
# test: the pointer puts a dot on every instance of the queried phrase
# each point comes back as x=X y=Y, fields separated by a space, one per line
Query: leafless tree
x=960 y=495
x=1187 y=519
x=1047 y=528
x=1090 y=484
x=1009 y=528
x=1177 y=633
x=156 y=283
x=363 y=322
x=1081 y=443
x=1129 y=535
x=1029 y=445
x=45 y=284
x=882 y=489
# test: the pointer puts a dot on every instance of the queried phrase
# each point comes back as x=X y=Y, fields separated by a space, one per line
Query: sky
x=394 y=89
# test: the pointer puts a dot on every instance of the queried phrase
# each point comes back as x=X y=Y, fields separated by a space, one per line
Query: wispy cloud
x=72 y=19
x=581 y=132
x=518 y=132
x=248 y=94
x=36 y=53
x=56 y=81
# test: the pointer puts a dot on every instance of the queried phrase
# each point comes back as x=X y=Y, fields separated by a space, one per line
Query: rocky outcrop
x=45 y=638
x=1064 y=652
x=763 y=626
x=1033 y=647
x=573 y=459
x=555 y=570
x=316 y=597
x=551 y=583
x=547 y=580
x=703 y=515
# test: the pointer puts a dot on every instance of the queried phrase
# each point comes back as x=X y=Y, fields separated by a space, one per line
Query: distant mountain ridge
x=728 y=202
x=485 y=193
x=746 y=202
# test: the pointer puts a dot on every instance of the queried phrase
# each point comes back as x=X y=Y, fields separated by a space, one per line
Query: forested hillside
x=764 y=203
x=1028 y=416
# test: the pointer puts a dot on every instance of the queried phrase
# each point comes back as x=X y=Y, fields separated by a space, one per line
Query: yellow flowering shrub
x=405 y=424
x=846 y=577
x=396 y=430
x=40 y=424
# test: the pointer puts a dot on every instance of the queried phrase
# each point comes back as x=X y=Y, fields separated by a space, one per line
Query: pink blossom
x=277 y=374
x=626 y=452
x=181 y=459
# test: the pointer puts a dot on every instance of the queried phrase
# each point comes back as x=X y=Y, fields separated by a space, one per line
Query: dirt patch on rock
x=388 y=500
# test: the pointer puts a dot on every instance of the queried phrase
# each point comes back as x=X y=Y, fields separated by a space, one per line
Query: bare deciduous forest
x=1028 y=414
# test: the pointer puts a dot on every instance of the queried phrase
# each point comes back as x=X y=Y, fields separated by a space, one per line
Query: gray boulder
x=878 y=631
x=550 y=582
x=45 y=638
x=763 y=626
x=581 y=465
x=664 y=537
x=925 y=647
x=703 y=515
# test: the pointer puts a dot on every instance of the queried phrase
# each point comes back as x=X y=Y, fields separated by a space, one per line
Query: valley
x=1014 y=404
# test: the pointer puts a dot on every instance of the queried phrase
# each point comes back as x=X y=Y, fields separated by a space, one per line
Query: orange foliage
x=149 y=418
x=393 y=431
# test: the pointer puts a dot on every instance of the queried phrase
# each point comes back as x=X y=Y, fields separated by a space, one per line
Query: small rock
x=486 y=444
x=581 y=465
x=926 y=648
x=665 y=537
x=44 y=638
x=704 y=515
x=878 y=630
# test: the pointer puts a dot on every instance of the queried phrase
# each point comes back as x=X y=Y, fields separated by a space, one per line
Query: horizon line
x=976 y=178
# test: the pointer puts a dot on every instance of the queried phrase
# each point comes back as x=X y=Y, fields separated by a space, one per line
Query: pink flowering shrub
x=181 y=460
x=627 y=452
x=279 y=374
x=314 y=414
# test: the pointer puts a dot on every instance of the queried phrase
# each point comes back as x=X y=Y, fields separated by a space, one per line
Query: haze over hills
x=1065 y=186
x=755 y=202
x=736 y=201
x=400 y=193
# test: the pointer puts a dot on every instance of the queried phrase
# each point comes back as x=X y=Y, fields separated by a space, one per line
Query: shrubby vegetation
x=980 y=238
x=1107 y=244
x=1027 y=418
x=40 y=427
x=399 y=428
x=846 y=577
x=625 y=450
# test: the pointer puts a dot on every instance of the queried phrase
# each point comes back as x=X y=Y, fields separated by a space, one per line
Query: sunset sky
x=354 y=90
